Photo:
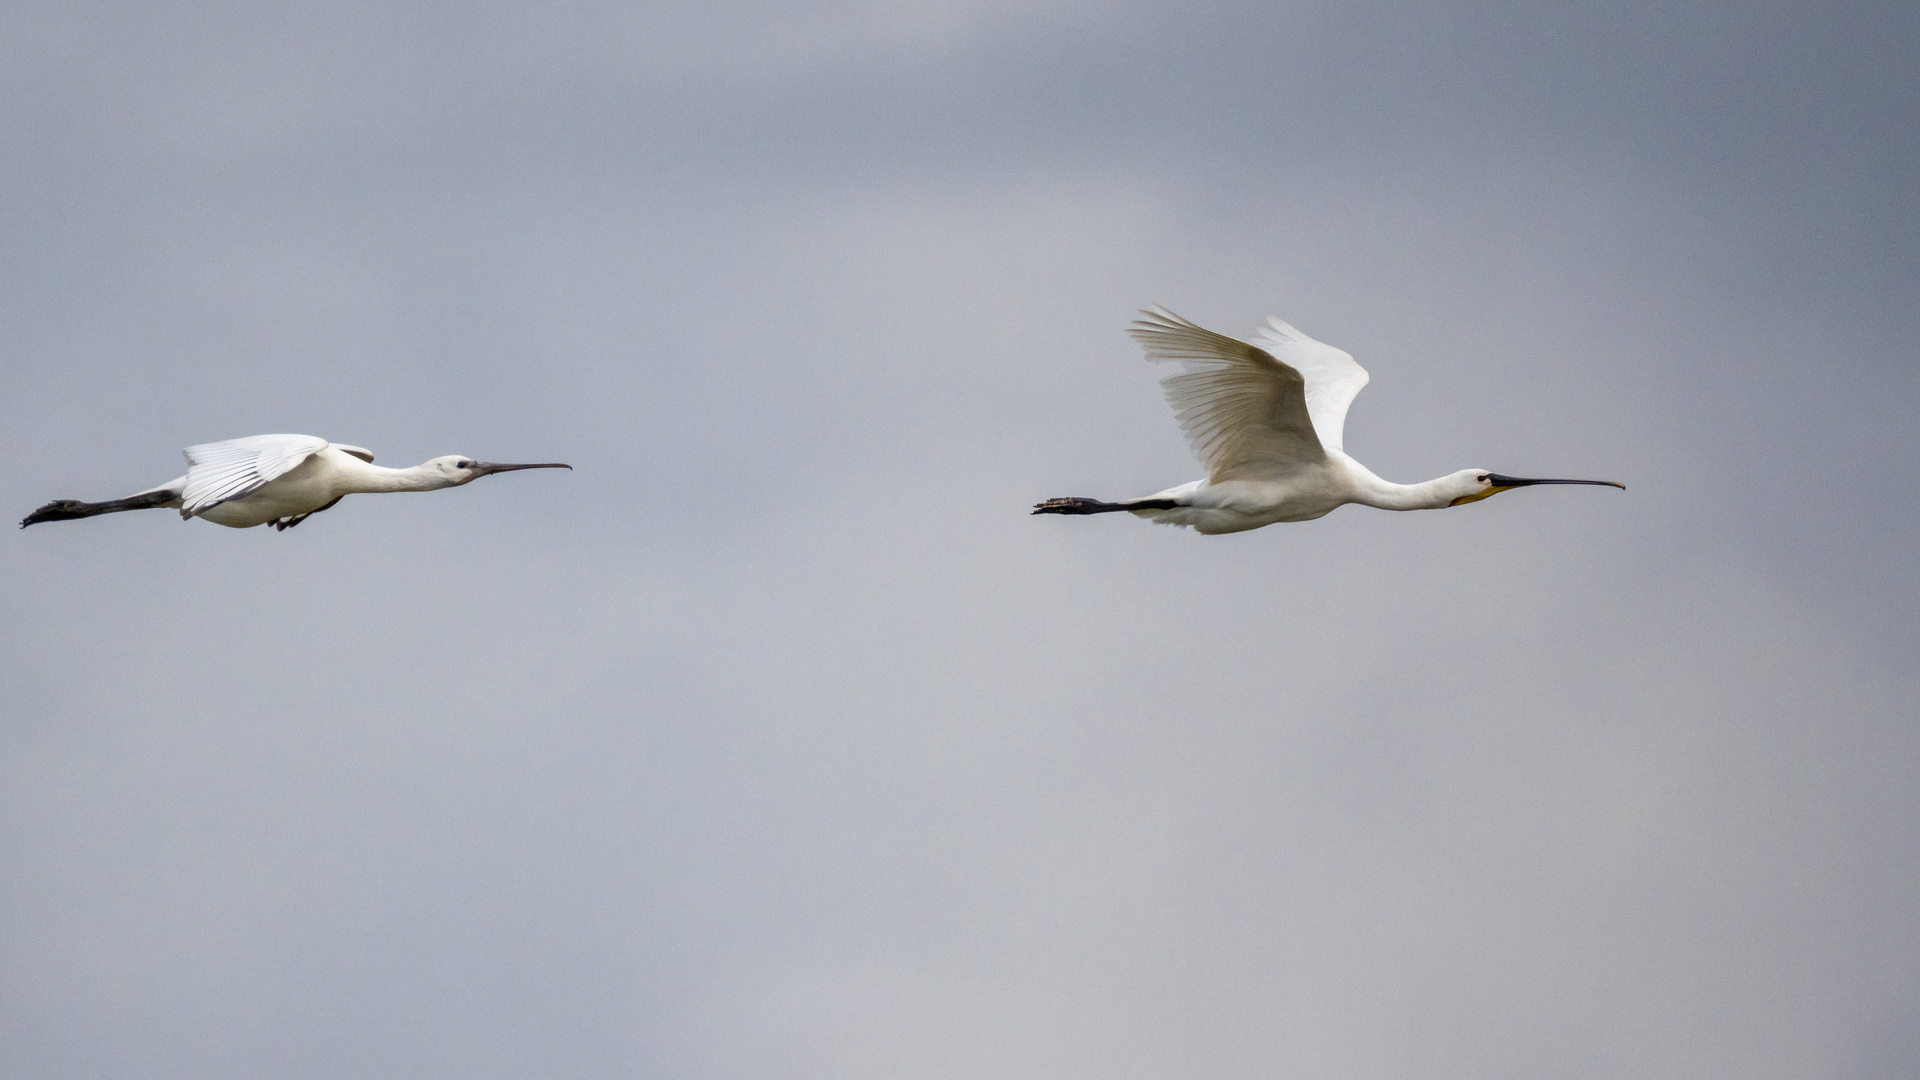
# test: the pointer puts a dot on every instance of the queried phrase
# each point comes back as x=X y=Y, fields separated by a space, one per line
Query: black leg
x=68 y=509
x=289 y=522
x=1074 y=505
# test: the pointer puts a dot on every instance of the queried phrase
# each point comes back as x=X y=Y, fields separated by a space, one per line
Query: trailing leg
x=1074 y=505
x=68 y=509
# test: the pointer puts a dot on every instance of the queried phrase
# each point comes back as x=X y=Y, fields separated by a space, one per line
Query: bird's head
x=457 y=469
x=1472 y=485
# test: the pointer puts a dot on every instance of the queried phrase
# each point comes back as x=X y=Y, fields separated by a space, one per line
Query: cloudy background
x=776 y=740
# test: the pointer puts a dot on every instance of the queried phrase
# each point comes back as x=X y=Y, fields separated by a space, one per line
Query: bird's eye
x=1484 y=477
x=469 y=465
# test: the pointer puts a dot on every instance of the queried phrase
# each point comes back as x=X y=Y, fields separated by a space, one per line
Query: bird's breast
x=1297 y=498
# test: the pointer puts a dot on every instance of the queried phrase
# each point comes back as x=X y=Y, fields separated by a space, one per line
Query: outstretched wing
x=220 y=472
x=1243 y=411
x=1332 y=377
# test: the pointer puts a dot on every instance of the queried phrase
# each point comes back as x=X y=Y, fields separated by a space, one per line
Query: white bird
x=1265 y=419
x=277 y=479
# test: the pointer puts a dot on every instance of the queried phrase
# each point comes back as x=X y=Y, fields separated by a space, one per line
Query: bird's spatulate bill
x=488 y=468
x=1524 y=481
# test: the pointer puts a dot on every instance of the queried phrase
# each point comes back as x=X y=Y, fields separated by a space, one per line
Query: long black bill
x=1521 y=481
x=488 y=468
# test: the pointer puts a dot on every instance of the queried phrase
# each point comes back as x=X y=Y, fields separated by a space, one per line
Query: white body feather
x=279 y=480
x=261 y=479
x=1266 y=418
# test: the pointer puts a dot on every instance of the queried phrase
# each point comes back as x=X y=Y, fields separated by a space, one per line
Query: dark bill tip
x=1523 y=481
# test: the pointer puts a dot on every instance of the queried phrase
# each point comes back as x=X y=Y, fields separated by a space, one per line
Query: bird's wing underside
x=1332 y=376
x=220 y=472
x=1244 y=412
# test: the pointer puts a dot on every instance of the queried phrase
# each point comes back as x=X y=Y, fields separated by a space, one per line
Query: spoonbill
x=280 y=480
x=1265 y=419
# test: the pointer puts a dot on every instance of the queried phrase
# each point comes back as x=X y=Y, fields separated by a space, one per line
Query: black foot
x=1071 y=505
x=58 y=510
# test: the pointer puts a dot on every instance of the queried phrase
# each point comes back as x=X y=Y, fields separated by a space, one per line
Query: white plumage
x=279 y=480
x=219 y=472
x=1266 y=418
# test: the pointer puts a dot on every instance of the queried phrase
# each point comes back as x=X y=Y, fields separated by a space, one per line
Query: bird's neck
x=1370 y=490
x=361 y=477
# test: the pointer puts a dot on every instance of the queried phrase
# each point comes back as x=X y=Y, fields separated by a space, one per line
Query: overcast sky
x=776 y=740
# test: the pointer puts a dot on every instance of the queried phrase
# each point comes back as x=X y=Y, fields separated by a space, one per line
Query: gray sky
x=776 y=740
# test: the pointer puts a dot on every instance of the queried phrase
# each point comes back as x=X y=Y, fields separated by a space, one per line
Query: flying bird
x=1265 y=419
x=278 y=480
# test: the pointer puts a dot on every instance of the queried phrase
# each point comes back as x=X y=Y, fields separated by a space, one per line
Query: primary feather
x=1243 y=411
x=1332 y=377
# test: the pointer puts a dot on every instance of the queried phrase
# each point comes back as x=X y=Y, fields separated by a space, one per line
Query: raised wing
x=220 y=472
x=1243 y=411
x=1332 y=377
